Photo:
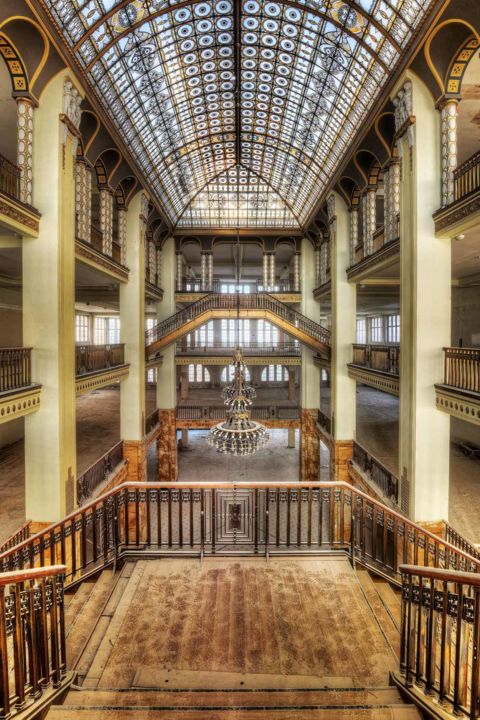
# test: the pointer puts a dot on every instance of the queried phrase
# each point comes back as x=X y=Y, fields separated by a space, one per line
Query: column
x=318 y=261
x=449 y=113
x=353 y=233
x=425 y=297
x=323 y=262
x=369 y=219
x=106 y=220
x=152 y=260
x=179 y=271
x=185 y=438
x=310 y=374
x=167 y=374
x=25 y=109
x=344 y=300
x=158 y=253
x=203 y=271
x=122 y=234
x=132 y=328
x=266 y=271
x=83 y=200
x=49 y=307
x=296 y=271
x=210 y=271
x=291 y=384
x=391 y=177
x=272 y=271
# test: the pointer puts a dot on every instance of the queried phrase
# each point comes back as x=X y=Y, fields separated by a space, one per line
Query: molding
x=152 y=291
x=323 y=290
x=458 y=403
x=322 y=362
x=100 y=378
x=386 y=256
x=19 y=403
x=92 y=257
x=459 y=216
x=227 y=359
x=21 y=218
x=385 y=382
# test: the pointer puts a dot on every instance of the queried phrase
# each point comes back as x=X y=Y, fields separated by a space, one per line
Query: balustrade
x=462 y=368
x=218 y=412
x=385 y=358
x=10 y=175
x=21 y=534
x=467 y=177
x=253 y=348
x=378 y=239
x=92 y=358
x=15 y=368
x=97 y=473
x=32 y=636
x=385 y=480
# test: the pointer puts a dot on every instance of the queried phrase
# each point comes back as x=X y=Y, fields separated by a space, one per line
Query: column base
x=341 y=452
x=309 y=447
x=167 y=447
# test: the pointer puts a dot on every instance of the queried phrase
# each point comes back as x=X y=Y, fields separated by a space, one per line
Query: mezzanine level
x=464 y=212
x=377 y=365
x=15 y=215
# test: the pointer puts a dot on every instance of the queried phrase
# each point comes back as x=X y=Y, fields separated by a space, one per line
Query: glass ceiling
x=209 y=93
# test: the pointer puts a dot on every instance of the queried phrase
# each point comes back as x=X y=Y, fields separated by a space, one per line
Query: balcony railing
x=218 y=412
x=455 y=538
x=93 y=358
x=462 y=368
x=97 y=473
x=385 y=358
x=15 y=368
x=376 y=472
x=9 y=178
x=467 y=177
x=116 y=253
x=325 y=422
x=378 y=238
x=255 y=284
x=253 y=349
x=152 y=279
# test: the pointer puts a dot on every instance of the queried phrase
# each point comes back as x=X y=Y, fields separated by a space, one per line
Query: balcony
x=204 y=416
x=192 y=289
x=99 y=365
x=18 y=395
x=379 y=480
x=274 y=353
x=91 y=253
x=15 y=214
x=153 y=291
x=464 y=212
x=383 y=257
x=459 y=394
x=377 y=366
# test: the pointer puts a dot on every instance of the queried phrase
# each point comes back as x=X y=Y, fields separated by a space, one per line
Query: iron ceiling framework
x=238 y=111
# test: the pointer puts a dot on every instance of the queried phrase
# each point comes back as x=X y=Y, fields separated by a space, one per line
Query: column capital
x=25 y=97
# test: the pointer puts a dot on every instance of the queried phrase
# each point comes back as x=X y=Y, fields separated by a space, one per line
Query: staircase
x=110 y=644
x=257 y=305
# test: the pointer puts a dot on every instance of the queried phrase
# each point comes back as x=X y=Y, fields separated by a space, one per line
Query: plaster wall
x=466 y=316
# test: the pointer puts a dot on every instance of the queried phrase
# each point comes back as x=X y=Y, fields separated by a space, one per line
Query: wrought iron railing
x=324 y=421
x=15 y=368
x=285 y=349
x=32 y=636
x=467 y=177
x=92 y=358
x=462 y=368
x=97 y=473
x=10 y=175
x=385 y=480
x=256 y=301
x=218 y=412
x=385 y=358
x=152 y=421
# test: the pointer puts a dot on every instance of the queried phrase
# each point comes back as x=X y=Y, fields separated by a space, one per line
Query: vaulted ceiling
x=238 y=111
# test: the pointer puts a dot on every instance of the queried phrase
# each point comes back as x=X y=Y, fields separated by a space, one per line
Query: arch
x=37 y=63
x=458 y=66
x=111 y=160
x=385 y=130
x=89 y=128
x=349 y=190
x=14 y=63
x=427 y=49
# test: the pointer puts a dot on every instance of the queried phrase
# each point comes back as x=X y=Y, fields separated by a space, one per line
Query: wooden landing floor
x=302 y=617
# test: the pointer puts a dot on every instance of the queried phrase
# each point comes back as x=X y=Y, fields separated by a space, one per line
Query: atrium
x=239 y=359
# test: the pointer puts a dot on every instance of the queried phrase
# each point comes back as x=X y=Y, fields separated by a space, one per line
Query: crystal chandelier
x=238 y=435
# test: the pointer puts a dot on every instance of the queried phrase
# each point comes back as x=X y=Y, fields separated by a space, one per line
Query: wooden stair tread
x=391 y=597
x=76 y=603
x=379 y=609
x=88 y=615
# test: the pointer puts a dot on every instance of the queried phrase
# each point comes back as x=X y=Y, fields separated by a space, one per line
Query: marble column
x=296 y=272
x=203 y=271
x=210 y=271
x=318 y=262
x=179 y=271
x=83 y=200
x=370 y=219
x=122 y=234
x=25 y=110
x=449 y=114
x=184 y=383
x=152 y=264
x=49 y=306
x=425 y=301
x=106 y=220
x=291 y=383
x=353 y=233
x=266 y=271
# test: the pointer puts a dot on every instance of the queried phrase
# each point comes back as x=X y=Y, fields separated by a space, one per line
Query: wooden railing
x=97 y=473
x=17 y=537
x=92 y=358
x=9 y=178
x=455 y=538
x=256 y=285
x=218 y=412
x=32 y=636
x=385 y=480
x=257 y=349
x=467 y=177
x=15 y=368
x=440 y=636
x=256 y=301
x=462 y=368
x=324 y=421
x=152 y=421
x=385 y=358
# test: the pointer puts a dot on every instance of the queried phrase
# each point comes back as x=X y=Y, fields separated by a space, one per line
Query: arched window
x=228 y=374
x=275 y=373
x=198 y=374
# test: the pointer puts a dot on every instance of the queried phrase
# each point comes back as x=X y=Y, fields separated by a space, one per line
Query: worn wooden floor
x=297 y=617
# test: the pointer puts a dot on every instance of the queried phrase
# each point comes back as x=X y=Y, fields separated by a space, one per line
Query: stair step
x=87 y=617
x=391 y=597
x=76 y=603
x=379 y=609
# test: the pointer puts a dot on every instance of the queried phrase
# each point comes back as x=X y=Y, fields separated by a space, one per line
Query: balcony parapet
x=19 y=396
x=99 y=365
x=385 y=256
x=277 y=416
x=91 y=254
x=464 y=212
x=14 y=213
x=459 y=394
x=377 y=366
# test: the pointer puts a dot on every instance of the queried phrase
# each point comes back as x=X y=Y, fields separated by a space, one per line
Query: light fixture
x=238 y=434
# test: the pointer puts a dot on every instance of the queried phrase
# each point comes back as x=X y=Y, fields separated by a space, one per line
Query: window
x=152 y=375
x=229 y=332
x=275 y=373
x=267 y=334
x=232 y=288
x=204 y=335
x=361 y=331
x=82 y=328
x=393 y=328
x=198 y=374
x=113 y=330
x=106 y=330
x=150 y=323
x=228 y=374
x=376 y=329
x=100 y=331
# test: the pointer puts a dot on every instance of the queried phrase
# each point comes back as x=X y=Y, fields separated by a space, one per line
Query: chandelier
x=238 y=434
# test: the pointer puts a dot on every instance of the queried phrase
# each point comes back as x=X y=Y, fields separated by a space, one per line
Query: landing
x=303 y=617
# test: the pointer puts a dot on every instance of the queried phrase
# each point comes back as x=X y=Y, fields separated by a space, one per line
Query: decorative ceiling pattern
x=197 y=88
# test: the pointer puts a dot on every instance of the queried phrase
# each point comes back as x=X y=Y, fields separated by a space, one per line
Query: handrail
x=218 y=412
x=20 y=576
x=152 y=421
x=252 y=348
x=10 y=176
x=384 y=357
x=460 y=542
x=456 y=576
x=22 y=533
x=259 y=301
x=98 y=471
x=462 y=368
x=381 y=476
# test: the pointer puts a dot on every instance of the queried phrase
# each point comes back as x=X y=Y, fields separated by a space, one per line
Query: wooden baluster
x=94 y=533
x=277 y=529
x=54 y=637
x=255 y=520
x=214 y=528
x=83 y=542
x=180 y=518
x=126 y=525
x=149 y=518
x=475 y=669
x=443 y=646
x=191 y=518
x=288 y=517
x=159 y=519
x=408 y=664
x=418 y=648
x=137 y=517
x=4 y=679
x=169 y=518
x=458 y=650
